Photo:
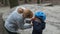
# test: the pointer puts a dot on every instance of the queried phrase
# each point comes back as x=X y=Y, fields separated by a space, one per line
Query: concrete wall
x=56 y=2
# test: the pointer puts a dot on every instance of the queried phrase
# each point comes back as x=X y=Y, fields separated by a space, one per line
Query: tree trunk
x=30 y=0
x=13 y=3
x=38 y=1
x=6 y=2
x=26 y=1
x=1 y=1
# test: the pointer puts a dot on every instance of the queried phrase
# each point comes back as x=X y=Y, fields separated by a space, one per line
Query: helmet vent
x=41 y=16
x=41 y=13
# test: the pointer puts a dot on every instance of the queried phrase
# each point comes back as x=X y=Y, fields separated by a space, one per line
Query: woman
x=15 y=20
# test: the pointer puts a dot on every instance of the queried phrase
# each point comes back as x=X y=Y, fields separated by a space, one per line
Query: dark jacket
x=38 y=26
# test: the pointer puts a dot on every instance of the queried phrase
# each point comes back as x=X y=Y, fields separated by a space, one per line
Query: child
x=38 y=22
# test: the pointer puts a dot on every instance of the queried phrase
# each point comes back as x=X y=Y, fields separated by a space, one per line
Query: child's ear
x=20 y=10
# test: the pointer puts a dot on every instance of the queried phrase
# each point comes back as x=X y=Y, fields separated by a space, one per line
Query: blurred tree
x=26 y=1
x=13 y=3
x=6 y=3
x=30 y=0
x=21 y=0
x=38 y=1
x=1 y=1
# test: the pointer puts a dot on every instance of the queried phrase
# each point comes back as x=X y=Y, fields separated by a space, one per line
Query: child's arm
x=43 y=25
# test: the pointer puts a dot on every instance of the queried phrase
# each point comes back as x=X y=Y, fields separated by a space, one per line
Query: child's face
x=38 y=20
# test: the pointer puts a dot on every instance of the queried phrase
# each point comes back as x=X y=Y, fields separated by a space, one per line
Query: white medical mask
x=27 y=20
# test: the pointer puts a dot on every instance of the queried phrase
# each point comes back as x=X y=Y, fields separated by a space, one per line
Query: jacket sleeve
x=27 y=26
x=43 y=25
x=10 y=24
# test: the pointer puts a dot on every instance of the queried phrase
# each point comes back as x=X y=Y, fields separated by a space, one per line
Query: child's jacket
x=38 y=26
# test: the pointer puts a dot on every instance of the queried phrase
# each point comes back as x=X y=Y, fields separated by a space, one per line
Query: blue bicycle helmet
x=40 y=14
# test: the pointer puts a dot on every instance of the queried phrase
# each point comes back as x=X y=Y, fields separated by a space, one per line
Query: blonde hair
x=28 y=13
x=20 y=9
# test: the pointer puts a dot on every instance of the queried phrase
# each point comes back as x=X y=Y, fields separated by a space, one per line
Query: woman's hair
x=28 y=13
x=20 y=10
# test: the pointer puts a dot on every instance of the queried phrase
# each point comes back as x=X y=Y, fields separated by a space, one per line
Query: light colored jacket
x=14 y=22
